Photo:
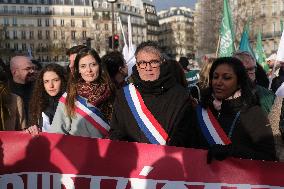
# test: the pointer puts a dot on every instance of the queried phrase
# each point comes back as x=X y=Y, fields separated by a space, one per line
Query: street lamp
x=112 y=21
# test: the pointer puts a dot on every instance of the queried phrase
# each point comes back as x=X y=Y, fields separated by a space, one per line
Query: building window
x=62 y=22
x=54 y=34
x=38 y=10
x=96 y=4
x=6 y=21
x=46 y=22
x=104 y=5
x=38 y=22
x=97 y=26
x=24 y=47
x=72 y=12
x=23 y=34
x=30 y=9
x=39 y=34
x=22 y=9
x=15 y=36
x=72 y=23
x=47 y=34
x=7 y=45
x=7 y=36
x=262 y=10
x=54 y=22
x=46 y=10
x=73 y=35
x=62 y=34
x=106 y=26
x=5 y=9
x=14 y=21
x=84 y=23
x=84 y=34
x=16 y=46
x=14 y=9
x=31 y=34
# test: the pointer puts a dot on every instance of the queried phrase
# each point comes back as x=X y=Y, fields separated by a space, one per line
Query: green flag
x=244 y=43
x=226 y=45
x=260 y=54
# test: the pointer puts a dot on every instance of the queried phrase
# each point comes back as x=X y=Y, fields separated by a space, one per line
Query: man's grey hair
x=152 y=47
x=241 y=54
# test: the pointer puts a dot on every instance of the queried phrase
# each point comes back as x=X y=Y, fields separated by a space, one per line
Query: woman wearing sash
x=85 y=109
x=152 y=108
x=48 y=89
x=231 y=122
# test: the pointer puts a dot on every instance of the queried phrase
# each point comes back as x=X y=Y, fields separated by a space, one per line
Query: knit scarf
x=4 y=111
x=97 y=94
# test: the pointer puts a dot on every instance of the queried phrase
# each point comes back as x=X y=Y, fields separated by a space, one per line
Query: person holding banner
x=49 y=87
x=86 y=108
x=231 y=122
x=153 y=108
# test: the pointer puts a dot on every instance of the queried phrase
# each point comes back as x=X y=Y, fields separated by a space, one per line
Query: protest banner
x=58 y=161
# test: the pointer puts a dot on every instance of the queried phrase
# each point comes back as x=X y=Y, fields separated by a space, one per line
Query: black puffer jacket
x=166 y=100
x=251 y=137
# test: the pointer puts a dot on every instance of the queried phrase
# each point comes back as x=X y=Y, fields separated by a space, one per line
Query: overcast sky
x=165 y=4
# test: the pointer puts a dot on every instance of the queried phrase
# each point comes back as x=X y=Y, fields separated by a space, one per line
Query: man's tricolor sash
x=90 y=113
x=210 y=127
x=144 y=118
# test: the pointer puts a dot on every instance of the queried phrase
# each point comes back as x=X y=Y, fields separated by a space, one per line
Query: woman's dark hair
x=39 y=100
x=177 y=72
x=261 y=77
x=184 y=62
x=113 y=61
x=76 y=77
x=248 y=97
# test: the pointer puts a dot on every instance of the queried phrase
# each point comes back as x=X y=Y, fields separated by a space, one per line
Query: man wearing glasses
x=152 y=109
x=23 y=75
x=266 y=97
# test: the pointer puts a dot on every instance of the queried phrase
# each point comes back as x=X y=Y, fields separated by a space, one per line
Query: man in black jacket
x=23 y=74
x=154 y=108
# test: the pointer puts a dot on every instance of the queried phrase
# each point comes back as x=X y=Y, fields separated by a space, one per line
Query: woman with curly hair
x=86 y=108
x=49 y=87
x=231 y=122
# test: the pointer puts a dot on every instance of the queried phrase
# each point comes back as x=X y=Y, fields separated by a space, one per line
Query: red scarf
x=96 y=93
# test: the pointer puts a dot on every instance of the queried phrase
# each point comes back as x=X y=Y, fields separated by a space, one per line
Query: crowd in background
x=226 y=107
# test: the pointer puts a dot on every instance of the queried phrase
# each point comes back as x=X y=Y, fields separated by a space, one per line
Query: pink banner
x=57 y=161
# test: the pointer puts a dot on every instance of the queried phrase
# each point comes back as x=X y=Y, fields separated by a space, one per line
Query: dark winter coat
x=166 y=100
x=251 y=137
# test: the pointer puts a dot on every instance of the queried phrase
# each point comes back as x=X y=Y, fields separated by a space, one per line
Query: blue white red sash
x=144 y=118
x=90 y=113
x=210 y=127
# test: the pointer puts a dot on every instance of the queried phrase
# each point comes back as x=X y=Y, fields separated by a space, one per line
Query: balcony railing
x=4 y=12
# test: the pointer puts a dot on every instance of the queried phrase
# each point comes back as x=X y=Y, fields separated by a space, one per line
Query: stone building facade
x=177 y=32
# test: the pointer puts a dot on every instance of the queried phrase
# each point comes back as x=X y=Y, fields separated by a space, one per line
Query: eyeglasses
x=153 y=63
x=32 y=68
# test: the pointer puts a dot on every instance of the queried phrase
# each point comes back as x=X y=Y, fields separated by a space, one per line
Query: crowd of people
x=228 y=110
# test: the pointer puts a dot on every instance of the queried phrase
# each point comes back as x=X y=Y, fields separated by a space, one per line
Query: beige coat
x=17 y=121
x=274 y=118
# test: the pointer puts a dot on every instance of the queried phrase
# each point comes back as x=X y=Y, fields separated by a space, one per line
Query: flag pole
x=218 y=44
